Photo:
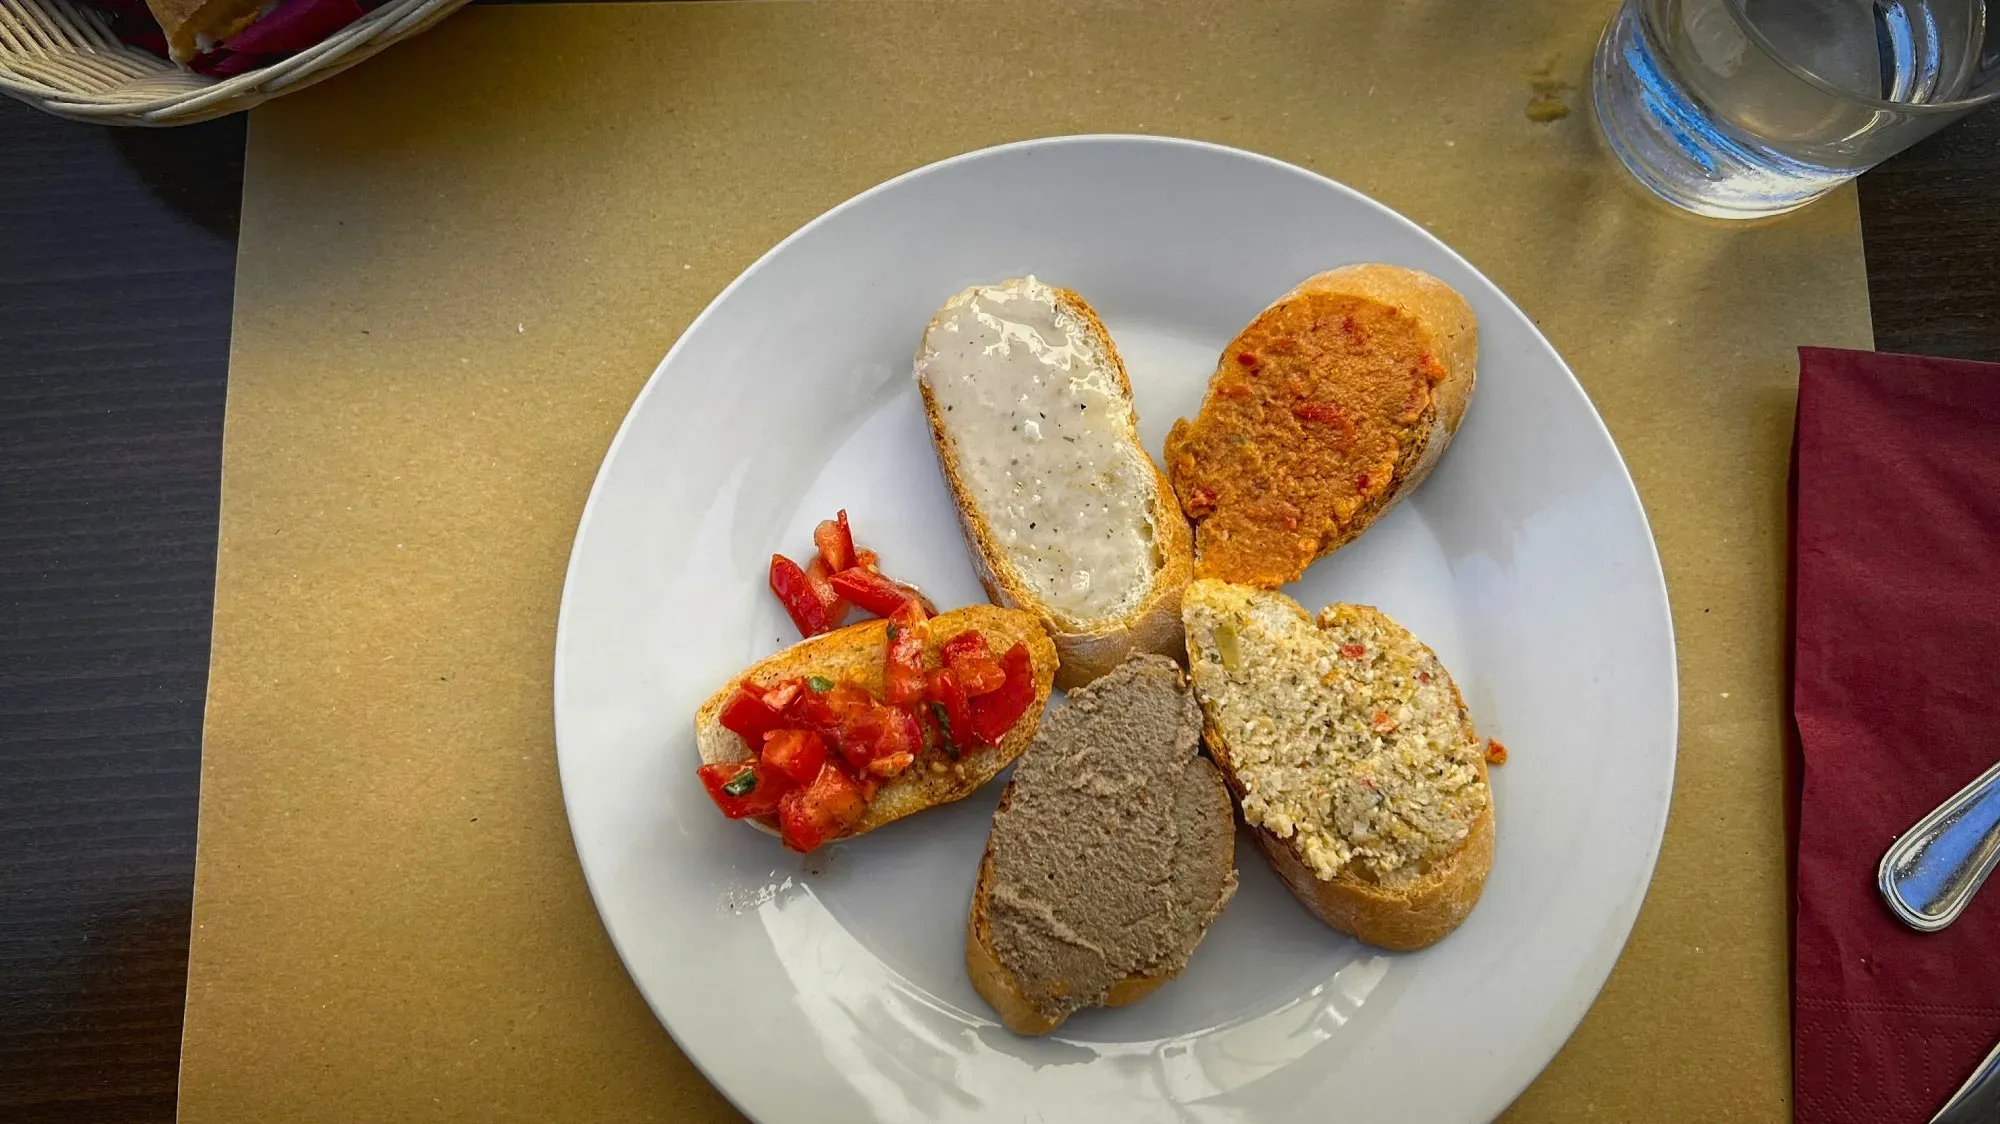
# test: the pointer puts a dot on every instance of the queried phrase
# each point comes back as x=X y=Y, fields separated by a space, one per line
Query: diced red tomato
x=795 y=593
x=835 y=541
x=954 y=711
x=860 y=733
x=783 y=694
x=820 y=577
x=873 y=592
x=809 y=710
x=759 y=788
x=972 y=662
x=995 y=714
x=796 y=753
x=866 y=737
x=748 y=717
x=902 y=739
x=827 y=808
x=903 y=672
x=848 y=698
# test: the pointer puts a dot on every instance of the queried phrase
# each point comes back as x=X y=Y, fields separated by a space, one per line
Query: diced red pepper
x=903 y=670
x=821 y=580
x=795 y=593
x=972 y=662
x=835 y=541
x=875 y=593
x=995 y=714
x=759 y=788
x=796 y=753
x=747 y=716
x=823 y=810
x=1352 y=651
x=943 y=690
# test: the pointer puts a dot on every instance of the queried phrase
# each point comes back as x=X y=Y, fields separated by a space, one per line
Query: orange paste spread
x=1306 y=425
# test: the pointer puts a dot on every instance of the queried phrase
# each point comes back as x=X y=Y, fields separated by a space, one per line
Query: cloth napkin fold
x=1896 y=692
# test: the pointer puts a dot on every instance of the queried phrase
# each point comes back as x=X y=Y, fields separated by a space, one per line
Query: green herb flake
x=892 y=630
x=743 y=783
x=943 y=717
x=820 y=684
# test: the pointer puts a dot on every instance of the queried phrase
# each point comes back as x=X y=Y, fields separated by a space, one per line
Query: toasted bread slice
x=856 y=653
x=1352 y=755
x=1329 y=408
x=1066 y=516
x=1112 y=851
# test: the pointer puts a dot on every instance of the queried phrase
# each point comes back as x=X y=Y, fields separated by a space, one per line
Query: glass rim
x=1918 y=108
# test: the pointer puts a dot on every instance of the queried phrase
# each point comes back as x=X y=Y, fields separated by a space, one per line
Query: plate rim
x=1626 y=915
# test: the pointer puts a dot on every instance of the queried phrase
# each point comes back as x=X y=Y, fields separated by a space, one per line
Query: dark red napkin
x=1896 y=691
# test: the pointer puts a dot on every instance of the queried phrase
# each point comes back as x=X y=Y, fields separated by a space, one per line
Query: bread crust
x=857 y=652
x=1445 y=319
x=1090 y=649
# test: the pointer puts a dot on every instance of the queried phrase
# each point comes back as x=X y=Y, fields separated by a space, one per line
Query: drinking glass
x=1746 y=108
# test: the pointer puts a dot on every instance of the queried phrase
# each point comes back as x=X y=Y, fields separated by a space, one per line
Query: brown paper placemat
x=461 y=261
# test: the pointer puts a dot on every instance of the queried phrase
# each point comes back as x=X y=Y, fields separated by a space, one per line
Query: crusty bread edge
x=1151 y=626
x=1400 y=918
x=860 y=648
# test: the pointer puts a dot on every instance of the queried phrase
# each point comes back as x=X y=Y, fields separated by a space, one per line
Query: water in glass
x=1743 y=108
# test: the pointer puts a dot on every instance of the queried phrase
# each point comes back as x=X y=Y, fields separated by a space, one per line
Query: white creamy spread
x=1044 y=443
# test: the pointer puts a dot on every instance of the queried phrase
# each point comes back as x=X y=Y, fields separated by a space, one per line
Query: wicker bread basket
x=59 y=55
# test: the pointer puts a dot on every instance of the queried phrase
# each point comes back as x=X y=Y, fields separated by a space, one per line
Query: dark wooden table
x=117 y=249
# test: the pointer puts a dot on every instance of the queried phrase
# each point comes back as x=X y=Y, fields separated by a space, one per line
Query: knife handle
x=1932 y=871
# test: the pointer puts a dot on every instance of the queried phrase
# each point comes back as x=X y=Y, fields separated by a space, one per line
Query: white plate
x=834 y=988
